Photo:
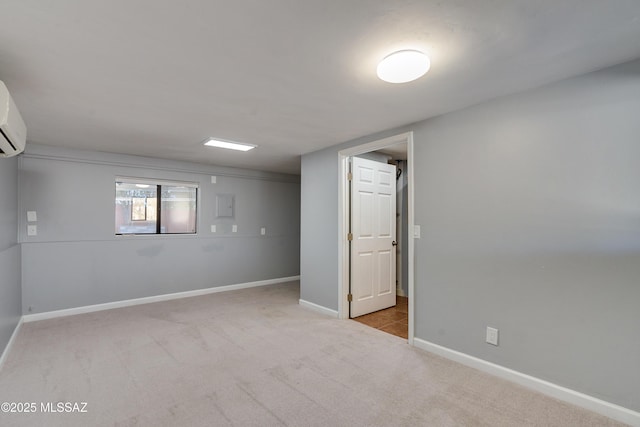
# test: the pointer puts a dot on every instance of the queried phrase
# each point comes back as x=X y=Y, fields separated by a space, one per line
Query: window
x=155 y=207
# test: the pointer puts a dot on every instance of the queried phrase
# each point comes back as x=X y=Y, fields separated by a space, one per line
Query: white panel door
x=373 y=225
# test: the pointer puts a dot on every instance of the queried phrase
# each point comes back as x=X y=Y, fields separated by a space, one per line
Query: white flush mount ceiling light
x=212 y=142
x=403 y=66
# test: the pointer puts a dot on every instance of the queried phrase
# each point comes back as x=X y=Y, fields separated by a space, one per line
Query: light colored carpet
x=253 y=358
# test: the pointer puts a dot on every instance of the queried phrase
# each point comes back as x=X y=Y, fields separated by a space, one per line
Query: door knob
x=394 y=243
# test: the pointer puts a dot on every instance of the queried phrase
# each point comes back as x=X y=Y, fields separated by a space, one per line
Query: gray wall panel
x=8 y=202
x=10 y=293
x=529 y=207
x=10 y=270
x=319 y=229
x=76 y=259
x=63 y=275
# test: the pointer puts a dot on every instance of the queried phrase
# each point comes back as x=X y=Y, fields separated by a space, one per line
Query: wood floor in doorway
x=393 y=320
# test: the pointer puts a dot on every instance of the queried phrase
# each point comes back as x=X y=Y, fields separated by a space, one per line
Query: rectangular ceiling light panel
x=229 y=145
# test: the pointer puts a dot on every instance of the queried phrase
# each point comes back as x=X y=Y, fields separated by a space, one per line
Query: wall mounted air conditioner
x=13 y=132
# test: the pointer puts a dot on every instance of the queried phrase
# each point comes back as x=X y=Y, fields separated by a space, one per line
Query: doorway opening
x=396 y=150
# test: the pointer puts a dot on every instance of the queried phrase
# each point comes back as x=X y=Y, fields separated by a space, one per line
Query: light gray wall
x=530 y=215
x=76 y=259
x=319 y=228
x=10 y=292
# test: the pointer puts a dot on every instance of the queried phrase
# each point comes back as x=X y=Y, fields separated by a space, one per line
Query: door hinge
x=350 y=236
x=349 y=176
x=349 y=297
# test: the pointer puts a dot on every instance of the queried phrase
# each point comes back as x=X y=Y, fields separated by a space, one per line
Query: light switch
x=213 y=228
x=32 y=216
x=416 y=231
x=32 y=230
x=234 y=229
x=263 y=231
x=213 y=179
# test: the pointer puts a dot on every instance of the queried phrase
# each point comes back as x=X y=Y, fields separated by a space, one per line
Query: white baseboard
x=156 y=298
x=5 y=353
x=585 y=401
x=400 y=292
x=318 y=308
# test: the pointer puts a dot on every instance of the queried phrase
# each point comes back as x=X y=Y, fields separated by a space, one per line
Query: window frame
x=158 y=184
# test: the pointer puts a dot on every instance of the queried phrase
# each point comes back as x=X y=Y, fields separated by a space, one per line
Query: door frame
x=343 y=220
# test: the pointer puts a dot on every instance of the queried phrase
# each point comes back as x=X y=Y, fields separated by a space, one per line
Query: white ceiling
x=396 y=151
x=156 y=77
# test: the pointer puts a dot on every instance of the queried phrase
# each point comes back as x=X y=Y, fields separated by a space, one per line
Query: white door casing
x=373 y=225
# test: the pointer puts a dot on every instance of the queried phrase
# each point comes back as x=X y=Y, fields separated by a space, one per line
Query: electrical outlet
x=263 y=231
x=214 y=179
x=492 y=336
x=213 y=228
x=32 y=216
x=234 y=228
x=32 y=230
